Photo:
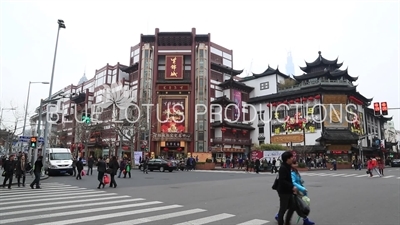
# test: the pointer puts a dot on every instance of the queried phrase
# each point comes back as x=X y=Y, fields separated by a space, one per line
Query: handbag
x=301 y=207
x=3 y=174
x=275 y=185
x=106 y=179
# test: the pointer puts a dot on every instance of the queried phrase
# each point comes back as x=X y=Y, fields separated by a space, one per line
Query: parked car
x=395 y=163
x=160 y=164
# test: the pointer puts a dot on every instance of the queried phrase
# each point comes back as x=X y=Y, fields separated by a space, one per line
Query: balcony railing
x=231 y=141
x=315 y=83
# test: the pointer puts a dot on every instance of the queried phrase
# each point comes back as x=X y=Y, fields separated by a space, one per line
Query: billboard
x=237 y=98
x=173 y=116
x=174 y=67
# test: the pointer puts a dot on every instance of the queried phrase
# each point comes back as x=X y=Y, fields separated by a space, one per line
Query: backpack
x=275 y=185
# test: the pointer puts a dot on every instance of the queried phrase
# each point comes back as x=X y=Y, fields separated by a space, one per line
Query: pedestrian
x=381 y=165
x=37 y=171
x=286 y=189
x=79 y=167
x=101 y=169
x=121 y=167
x=8 y=173
x=74 y=161
x=90 y=165
x=273 y=167
x=375 y=166
x=145 y=165
x=128 y=169
x=113 y=166
x=257 y=165
x=20 y=170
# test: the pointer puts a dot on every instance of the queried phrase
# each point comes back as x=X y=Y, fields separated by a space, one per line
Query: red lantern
x=223 y=129
x=268 y=105
x=279 y=103
x=304 y=99
x=165 y=149
x=285 y=102
x=179 y=149
x=297 y=100
x=291 y=101
x=317 y=96
x=274 y=104
x=244 y=132
x=310 y=98
x=234 y=131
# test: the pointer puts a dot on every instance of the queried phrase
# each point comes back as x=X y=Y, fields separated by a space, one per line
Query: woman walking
x=20 y=170
x=113 y=166
x=381 y=165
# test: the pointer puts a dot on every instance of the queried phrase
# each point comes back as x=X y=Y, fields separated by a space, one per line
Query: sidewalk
x=29 y=179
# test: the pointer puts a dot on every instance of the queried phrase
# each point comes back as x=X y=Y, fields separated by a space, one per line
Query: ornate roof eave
x=270 y=71
x=132 y=68
x=225 y=69
x=320 y=60
x=232 y=125
x=223 y=101
x=231 y=83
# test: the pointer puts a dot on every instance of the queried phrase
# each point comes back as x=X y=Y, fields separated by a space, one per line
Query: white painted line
x=51 y=199
x=159 y=217
x=70 y=213
x=29 y=193
x=71 y=202
x=110 y=215
x=307 y=174
x=350 y=175
x=398 y=178
x=322 y=174
x=208 y=219
x=15 y=190
x=23 y=197
x=66 y=207
x=337 y=175
x=390 y=176
x=365 y=175
x=254 y=222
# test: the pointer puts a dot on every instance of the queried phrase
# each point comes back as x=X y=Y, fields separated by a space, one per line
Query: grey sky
x=365 y=35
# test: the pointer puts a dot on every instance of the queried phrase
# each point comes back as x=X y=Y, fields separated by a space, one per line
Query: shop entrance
x=172 y=153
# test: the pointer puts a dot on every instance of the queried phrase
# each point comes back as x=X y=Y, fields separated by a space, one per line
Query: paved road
x=201 y=198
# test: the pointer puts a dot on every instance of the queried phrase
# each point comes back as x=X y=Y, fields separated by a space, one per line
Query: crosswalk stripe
x=82 y=211
x=209 y=219
x=38 y=190
x=66 y=207
x=159 y=217
x=363 y=175
x=51 y=194
x=70 y=202
x=110 y=215
x=350 y=175
x=337 y=175
x=398 y=178
x=52 y=199
x=35 y=192
x=254 y=222
x=390 y=176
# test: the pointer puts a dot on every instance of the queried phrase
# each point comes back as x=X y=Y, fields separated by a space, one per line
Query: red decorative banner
x=173 y=116
x=169 y=87
x=174 y=67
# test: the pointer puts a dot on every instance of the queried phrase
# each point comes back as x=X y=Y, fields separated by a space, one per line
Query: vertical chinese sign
x=174 y=67
x=173 y=116
x=237 y=98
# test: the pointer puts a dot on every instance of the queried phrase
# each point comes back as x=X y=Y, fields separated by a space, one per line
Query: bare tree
x=10 y=135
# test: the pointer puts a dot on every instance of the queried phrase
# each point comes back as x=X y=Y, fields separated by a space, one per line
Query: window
x=60 y=156
x=264 y=85
x=200 y=136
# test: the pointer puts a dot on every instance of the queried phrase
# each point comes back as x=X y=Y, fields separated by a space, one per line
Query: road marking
x=363 y=175
x=322 y=174
x=398 y=178
x=336 y=175
x=51 y=199
x=390 y=176
x=206 y=220
x=254 y=222
x=159 y=217
x=36 y=192
x=71 y=202
x=65 y=207
x=110 y=215
x=23 y=197
x=22 y=191
x=350 y=175
x=82 y=211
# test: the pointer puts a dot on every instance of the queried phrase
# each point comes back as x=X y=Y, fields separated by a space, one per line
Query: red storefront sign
x=257 y=154
x=173 y=67
x=179 y=87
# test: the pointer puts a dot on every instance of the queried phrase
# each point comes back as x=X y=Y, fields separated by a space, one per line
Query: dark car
x=395 y=163
x=160 y=164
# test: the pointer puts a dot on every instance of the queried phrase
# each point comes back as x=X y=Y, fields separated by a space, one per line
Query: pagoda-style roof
x=270 y=71
x=313 y=90
x=321 y=62
x=232 y=125
x=338 y=135
x=232 y=84
x=224 y=101
x=225 y=69
x=130 y=69
x=336 y=74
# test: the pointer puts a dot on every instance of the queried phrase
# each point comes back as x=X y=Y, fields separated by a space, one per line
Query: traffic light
x=384 y=108
x=377 y=109
x=33 y=142
x=86 y=118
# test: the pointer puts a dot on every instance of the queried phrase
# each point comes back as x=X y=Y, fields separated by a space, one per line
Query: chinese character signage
x=173 y=87
x=172 y=115
x=174 y=67
x=172 y=137
x=173 y=144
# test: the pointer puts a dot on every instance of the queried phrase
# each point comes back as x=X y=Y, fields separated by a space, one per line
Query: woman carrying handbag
x=20 y=170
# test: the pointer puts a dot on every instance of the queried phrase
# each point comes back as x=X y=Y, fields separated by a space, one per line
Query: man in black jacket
x=9 y=167
x=101 y=169
x=37 y=171
x=286 y=189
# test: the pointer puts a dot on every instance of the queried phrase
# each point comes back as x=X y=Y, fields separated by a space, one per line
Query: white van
x=58 y=161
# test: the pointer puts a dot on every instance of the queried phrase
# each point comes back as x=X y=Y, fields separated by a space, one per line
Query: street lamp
x=26 y=109
x=1 y=115
x=46 y=129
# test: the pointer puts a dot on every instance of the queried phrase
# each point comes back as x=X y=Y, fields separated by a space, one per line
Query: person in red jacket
x=381 y=165
x=370 y=167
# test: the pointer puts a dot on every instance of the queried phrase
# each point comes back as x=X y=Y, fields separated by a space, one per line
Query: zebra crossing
x=62 y=204
x=311 y=174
